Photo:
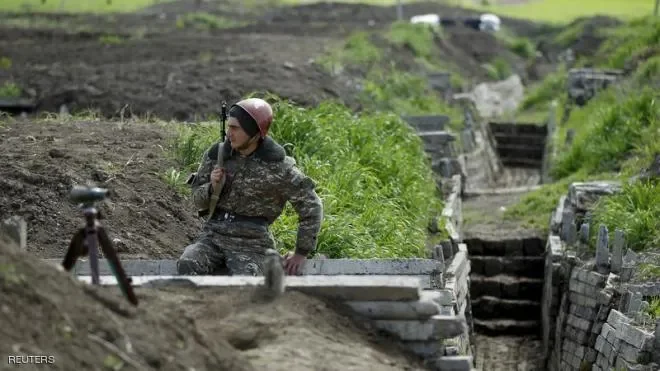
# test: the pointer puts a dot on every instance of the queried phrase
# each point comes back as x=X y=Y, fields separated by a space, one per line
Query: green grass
x=10 y=90
x=612 y=128
x=77 y=6
x=552 y=86
x=615 y=135
x=639 y=38
x=418 y=37
x=636 y=211
x=535 y=208
x=377 y=188
x=654 y=308
x=564 y=11
x=357 y=49
x=390 y=90
x=205 y=21
x=648 y=271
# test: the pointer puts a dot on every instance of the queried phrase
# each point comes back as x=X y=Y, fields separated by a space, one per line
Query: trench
x=507 y=261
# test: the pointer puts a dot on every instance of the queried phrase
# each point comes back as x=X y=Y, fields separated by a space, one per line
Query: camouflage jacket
x=259 y=185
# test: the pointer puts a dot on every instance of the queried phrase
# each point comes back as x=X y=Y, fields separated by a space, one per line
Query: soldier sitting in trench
x=259 y=178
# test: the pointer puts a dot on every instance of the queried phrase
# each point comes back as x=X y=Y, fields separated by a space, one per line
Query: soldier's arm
x=301 y=193
x=201 y=187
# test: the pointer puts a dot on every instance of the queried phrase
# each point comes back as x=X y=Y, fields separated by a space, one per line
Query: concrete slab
x=348 y=288
x=422 y=309
x=328 y=267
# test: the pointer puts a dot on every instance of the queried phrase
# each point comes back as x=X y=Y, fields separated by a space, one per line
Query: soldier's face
x=236 y=134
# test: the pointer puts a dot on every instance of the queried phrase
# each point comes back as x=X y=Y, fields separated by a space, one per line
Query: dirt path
x=508 y=353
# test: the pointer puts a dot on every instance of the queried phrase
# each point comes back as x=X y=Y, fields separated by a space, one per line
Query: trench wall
x=435 y=324
x=593 y=315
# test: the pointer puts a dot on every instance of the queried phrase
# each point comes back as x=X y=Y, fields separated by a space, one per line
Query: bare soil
x=144 y=63
x=41 y=161
x=45 y=312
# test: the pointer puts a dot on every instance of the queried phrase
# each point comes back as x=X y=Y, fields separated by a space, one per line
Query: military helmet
x=260 y=111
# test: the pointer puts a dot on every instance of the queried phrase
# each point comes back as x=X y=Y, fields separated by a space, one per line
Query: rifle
x=219 y=164
x=193 y=176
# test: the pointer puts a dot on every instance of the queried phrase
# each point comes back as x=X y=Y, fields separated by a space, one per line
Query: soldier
x=259 y=178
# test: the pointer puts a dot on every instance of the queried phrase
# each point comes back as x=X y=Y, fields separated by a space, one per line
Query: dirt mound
x=147 y=63
x=179 y=76
x=46 y=313
x=40 y=162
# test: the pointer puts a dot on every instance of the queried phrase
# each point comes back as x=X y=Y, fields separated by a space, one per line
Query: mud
x=45 y=312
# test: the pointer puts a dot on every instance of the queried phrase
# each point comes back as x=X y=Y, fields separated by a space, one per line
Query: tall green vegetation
x=377 y=187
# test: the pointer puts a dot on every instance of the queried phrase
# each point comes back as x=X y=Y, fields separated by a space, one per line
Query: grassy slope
x=615 y=136
x=563 y=11
x=77 y=6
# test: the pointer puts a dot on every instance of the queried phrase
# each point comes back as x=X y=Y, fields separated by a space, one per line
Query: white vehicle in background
x=485 y=22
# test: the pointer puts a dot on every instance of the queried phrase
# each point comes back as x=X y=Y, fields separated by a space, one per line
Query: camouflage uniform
x=257 y=188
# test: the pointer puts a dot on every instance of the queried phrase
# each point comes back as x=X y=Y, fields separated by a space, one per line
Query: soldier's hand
x=216 y=176
x=293 y=264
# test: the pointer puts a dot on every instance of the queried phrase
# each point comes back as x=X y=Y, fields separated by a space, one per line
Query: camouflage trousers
x=222 y=254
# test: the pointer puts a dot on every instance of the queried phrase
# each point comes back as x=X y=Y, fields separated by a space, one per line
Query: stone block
x=583 y=300
x=583 y=288
x=168 y=268
x=629 y=352
x=427 y=306
x=596 y=328
x=554 y=248
x=334 y=267
x=131 y=267
x=578 y=323
x=454 y=363
x=615 y=318
x=583 y=312
x=577 y=335
x=437 y=327
x=590 y=277
x=606 y=330
x=634 y=336
x=555 y=223
x=583 y=195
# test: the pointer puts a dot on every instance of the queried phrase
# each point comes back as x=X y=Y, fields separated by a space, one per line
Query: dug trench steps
x=475 y=304
x=506 y=285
